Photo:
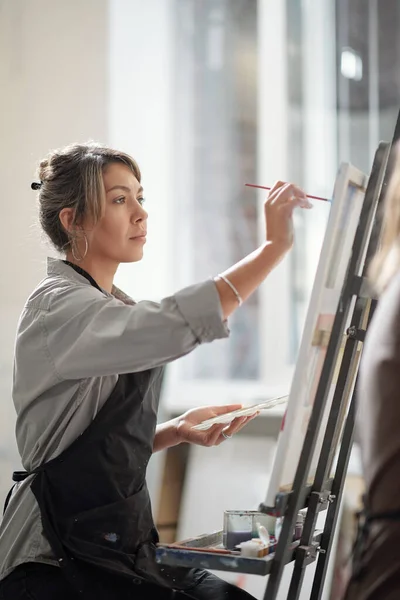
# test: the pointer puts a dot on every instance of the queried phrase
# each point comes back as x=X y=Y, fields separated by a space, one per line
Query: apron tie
x=17 y=477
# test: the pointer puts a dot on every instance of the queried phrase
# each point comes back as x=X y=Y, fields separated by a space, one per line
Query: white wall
x=53 y=74
x=141 y=122
x=73 y=71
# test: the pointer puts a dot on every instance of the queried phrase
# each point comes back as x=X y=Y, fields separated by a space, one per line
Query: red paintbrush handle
x=262 y=187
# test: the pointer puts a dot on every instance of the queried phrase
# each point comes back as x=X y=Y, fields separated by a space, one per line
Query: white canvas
x=344 y=215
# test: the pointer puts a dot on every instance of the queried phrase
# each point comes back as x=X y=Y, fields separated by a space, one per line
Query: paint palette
x=246 y=411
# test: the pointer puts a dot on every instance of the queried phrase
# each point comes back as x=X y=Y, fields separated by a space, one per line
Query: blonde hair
x=386 y=261
x=72 y=177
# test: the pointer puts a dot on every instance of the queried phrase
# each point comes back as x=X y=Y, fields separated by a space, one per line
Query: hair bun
x=45 y=171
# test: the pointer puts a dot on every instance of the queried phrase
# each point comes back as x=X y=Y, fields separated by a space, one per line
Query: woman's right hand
x=282 y=199
x=249 y=273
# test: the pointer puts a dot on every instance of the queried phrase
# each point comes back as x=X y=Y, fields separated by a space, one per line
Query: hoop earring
x=73 y=243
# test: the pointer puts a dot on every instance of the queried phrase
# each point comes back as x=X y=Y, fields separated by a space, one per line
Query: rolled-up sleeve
x=88 y=334
x=202 y=311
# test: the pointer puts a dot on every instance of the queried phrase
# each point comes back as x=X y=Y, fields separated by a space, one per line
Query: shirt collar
x=55 y=266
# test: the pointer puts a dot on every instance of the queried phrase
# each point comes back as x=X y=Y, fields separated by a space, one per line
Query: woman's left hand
x=216 y=433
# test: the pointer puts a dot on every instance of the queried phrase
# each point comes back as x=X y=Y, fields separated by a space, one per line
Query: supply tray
x=193 y=553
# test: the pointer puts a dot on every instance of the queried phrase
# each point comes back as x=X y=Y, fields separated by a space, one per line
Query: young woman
x=88 y=365
x=376 y=569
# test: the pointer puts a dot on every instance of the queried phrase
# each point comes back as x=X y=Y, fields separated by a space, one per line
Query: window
x=266 y=91
x=216 y=154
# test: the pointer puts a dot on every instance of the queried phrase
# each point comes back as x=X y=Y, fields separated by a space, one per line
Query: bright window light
x=351 y=64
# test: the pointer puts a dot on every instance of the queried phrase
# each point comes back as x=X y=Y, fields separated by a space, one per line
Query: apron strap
x=17 y=476
x=7 y=500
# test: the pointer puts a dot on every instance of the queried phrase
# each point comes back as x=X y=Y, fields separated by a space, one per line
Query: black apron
x=93 y=498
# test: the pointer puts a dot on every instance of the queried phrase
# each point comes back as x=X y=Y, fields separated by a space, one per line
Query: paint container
x=263 y=534
x=241 y=526
x=238 y=528
x=298 y=530
x=253 y=548
x=272 y=544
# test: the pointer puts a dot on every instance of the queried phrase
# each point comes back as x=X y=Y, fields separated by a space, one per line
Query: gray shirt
x=72 y=340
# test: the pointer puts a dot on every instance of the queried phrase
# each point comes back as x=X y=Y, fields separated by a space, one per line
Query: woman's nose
x=139 y=214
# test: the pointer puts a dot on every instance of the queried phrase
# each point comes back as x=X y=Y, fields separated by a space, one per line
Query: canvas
x=343 y=219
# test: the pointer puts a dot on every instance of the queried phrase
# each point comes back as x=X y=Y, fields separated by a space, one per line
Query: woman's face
x=120 y=234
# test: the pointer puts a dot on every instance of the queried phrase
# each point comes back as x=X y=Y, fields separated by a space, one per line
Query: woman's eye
x=119 y=200
x=141 y=201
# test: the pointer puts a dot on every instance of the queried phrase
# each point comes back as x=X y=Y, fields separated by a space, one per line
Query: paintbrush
x=198 y=549
x=262 y=187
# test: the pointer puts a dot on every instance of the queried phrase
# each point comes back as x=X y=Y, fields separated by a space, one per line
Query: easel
x=356 y=307
x=326 y=493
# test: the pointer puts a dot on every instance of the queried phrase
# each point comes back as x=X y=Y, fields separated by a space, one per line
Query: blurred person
x=376 y=563
x=87 y=377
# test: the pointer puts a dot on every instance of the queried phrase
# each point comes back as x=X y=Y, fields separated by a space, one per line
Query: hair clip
x=36 y=185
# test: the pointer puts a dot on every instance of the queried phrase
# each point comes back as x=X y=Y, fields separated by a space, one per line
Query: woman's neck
x=103 y=272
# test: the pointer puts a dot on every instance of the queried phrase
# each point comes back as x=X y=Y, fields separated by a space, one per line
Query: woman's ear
x=67 y=216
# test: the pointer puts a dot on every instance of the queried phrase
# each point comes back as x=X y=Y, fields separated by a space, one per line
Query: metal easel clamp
x=308 y=554
x=356 y=334
x=361 y=286
x=320 y=500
